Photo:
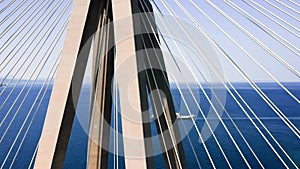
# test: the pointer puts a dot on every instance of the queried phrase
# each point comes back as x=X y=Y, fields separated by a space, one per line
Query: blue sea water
x=77 y=150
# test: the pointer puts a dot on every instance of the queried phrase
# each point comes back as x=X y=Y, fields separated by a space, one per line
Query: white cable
x=26 y=95
x=160 y=128
x=276 y=56
x=99 y=52
x=252 y=58
x=273 y=14
x=283 y=11
x=7 y=6
x=247 y=55
x=196 y=125
x=19 y=17
x=29 y=113
x=170 y=89
x=227 y=113
x=208 y=99
x=17 y=32
x=167 y=122
x=259 y=24
x=33 y=155
x=288 y=6
x=17 y=49
x=12 y=12
x=250 y=82
x=29 y=64
x=268 y=11
x=272 y=19
x=295 y=3
x=270 y=103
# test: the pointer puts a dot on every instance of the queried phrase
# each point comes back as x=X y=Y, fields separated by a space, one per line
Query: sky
x=186 y=56
x=259 y=54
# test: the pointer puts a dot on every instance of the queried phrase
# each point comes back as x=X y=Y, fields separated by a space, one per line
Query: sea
x=19 y=141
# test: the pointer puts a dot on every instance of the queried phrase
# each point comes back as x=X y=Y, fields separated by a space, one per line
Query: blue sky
x=247 y=65
x=273 y=66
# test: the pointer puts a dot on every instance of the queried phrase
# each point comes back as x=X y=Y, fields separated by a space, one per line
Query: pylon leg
x=63 y=102
x=100 y=116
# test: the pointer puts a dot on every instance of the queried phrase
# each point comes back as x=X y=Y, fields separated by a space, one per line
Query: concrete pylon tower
x=110 y=51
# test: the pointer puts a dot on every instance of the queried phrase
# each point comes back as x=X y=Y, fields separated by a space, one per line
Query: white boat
x=179 y=116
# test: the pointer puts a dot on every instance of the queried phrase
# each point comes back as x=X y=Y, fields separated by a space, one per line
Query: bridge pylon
x=134 y=85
